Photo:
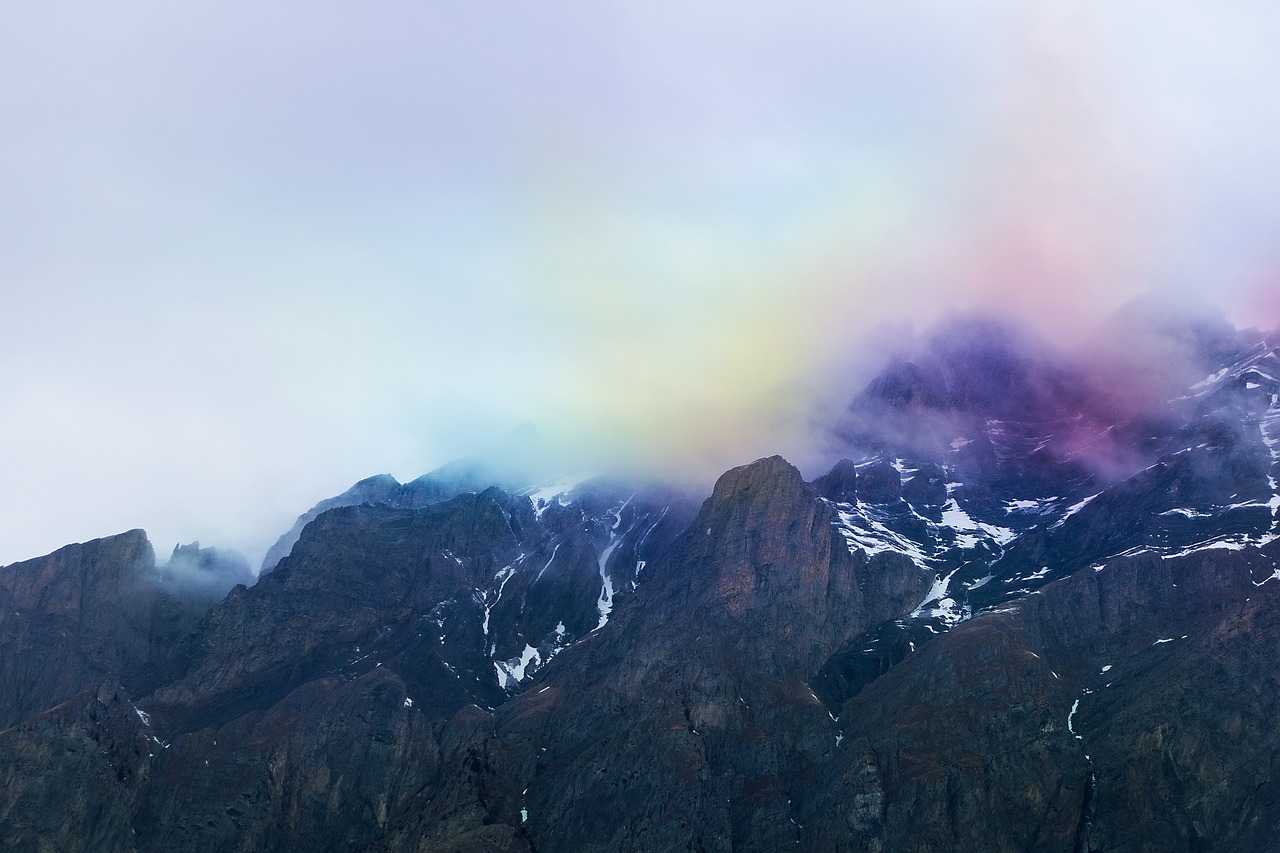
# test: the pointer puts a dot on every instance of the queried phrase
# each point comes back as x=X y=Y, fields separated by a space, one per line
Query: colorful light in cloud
x=251 y=254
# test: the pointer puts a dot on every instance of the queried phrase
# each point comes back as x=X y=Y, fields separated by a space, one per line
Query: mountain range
x=1032 y=605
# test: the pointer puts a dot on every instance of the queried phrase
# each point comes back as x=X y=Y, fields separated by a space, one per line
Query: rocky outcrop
x=768 y=555
x=880 y=483
x=380 y=490
x=206 y=574
x=442 y=484
x=84 y=613
x=927 y=488
x=840 y=484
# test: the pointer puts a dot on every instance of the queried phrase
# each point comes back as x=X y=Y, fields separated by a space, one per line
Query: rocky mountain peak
x=764 y=561
x=880 y=483
x=87 y=575
x=205 y=573
x=762 y=531
x=86 y=611
x=840 y=484
x=765 y=482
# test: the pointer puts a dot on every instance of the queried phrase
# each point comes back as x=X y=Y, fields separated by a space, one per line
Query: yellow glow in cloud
x=694 y=339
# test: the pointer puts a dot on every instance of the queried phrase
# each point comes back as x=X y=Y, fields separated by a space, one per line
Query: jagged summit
x=445 y=482
x=978 y=365
x=206 y=572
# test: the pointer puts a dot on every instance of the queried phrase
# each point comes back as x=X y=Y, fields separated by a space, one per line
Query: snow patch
x=551 y=560
x=604 y=605
x=966 y=529
x=1028 y=505
x=512 y=672
x=542 y=496
x=939 y=604
x=1209 y=380
x=1274 y=576
x=1075 y=706
x=1235 y=542
x=861 y=530
x=1072 y=510
x=504 y=574
x=1187 y=513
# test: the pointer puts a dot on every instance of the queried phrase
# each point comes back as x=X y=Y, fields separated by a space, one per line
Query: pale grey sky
x=250 y=254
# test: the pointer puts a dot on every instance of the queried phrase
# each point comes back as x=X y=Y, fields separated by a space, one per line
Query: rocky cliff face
x=1123 y=689
x=983 y=640
x=70 y=775
x=688 y=720
x=84 y=613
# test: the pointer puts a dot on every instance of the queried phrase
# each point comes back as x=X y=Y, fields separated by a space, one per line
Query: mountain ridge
x=967 y=633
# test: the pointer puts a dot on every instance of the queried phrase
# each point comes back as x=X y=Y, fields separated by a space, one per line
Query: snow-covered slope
x=1203 y=473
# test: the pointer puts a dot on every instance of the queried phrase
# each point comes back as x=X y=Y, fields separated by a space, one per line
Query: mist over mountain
x=252 y=259
x=1024 y=606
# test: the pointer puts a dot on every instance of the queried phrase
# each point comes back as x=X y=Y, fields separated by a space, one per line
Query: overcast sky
x=251 y=253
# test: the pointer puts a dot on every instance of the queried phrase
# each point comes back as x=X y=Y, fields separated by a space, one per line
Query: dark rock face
x=840 y=484
x=927 y=487
x=438 y=486
x=361 y=578
x=85 y=612
x=70 y=775
x=1140 y=763
x=322 y=769
x=880 y=483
